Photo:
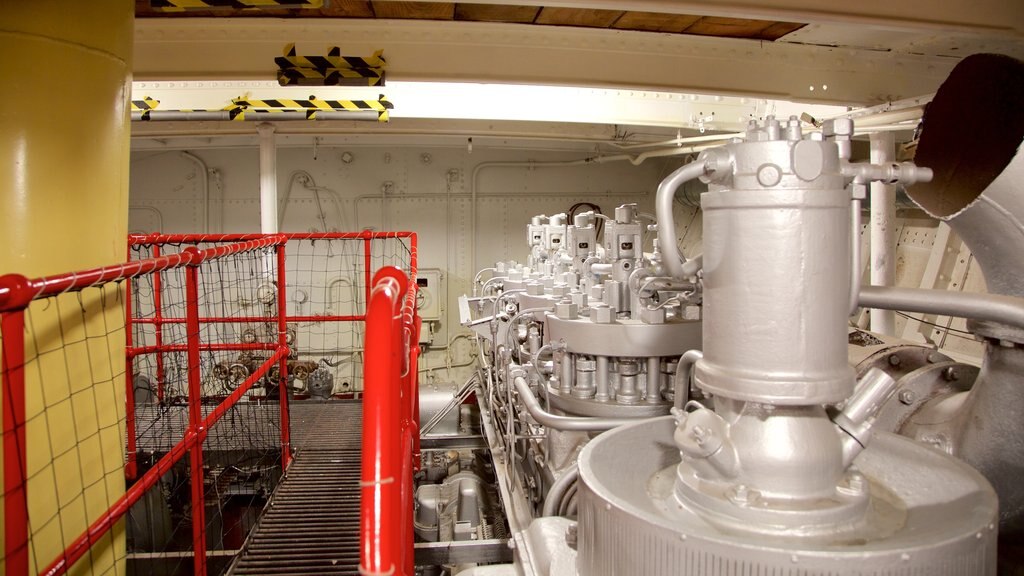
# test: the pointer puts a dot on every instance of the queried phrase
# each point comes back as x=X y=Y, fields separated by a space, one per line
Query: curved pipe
x=671 y=256
x=558 y=490
x=987 y=307
x=557 y=422
x=681 y=381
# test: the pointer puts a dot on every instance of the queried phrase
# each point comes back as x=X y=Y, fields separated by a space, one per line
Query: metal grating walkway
x=311 y=525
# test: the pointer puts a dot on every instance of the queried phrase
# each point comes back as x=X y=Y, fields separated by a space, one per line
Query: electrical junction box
x=430 y=294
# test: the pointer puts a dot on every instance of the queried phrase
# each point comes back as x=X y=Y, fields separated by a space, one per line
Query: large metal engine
x=648 y=413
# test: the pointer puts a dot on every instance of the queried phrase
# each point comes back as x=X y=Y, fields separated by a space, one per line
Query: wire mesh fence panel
x=237 y=318
x=101 y=422
x=328 y=277
x=74 y=421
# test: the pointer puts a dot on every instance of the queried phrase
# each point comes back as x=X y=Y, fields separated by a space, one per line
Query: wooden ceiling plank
x=728 y=27
x=779 y=29
x=414 y=10
x=496 y=13
x=655 y=22
x=578 y=17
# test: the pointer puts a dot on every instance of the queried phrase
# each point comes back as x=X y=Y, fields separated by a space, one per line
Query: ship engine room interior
x=512 y=287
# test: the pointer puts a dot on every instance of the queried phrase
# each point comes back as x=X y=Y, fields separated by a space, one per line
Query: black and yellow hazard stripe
x=331 y=70
x=182 y=5
x=146 y=103
x=334 y=59
x=314 y=103
x=330 y=77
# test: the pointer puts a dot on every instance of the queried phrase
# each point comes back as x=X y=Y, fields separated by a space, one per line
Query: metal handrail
x=390 y=427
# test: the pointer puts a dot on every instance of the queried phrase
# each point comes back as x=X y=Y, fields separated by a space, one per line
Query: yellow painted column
x=65 y=86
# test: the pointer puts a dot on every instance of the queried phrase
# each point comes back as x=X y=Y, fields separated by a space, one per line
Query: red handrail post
x=282 y=340
x=159 y=327
x=12 y=325
x=130 y=466
x=381 y=549
x=367 y=265
x=195 y=416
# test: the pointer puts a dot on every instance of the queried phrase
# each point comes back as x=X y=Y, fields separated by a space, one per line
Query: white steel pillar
x=268 y=179
x=883 y=232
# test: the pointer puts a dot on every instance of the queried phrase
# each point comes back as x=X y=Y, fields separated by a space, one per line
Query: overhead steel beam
x=239 y=49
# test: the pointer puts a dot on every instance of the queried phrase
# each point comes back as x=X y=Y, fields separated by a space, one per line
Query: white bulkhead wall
x=428 y=190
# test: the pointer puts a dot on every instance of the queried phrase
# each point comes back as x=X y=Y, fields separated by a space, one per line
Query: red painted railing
x=390 y=426
x=16 y=293
x=397 y=378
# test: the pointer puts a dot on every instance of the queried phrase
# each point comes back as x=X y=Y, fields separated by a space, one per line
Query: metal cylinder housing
x=777 y=276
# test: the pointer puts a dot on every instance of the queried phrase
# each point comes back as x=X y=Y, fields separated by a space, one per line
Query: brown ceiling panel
x=496 y=13
x=728 y=27
x=578 y=17
x=414 y=10
x=330 y=9
x=655 y=22
x=779 y=29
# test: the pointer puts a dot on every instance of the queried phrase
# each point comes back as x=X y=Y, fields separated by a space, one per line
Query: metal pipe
x=268 y=179
x=857 y=269
x=987 y=307
x=558 y=490
x=557 y=422
x=681 y=380
x=234 y=115
x=671 y=256
x=653 y=379
x=883 y=232
x=601 y=379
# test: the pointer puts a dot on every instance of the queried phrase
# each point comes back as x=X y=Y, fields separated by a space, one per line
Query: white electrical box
x=430 y=294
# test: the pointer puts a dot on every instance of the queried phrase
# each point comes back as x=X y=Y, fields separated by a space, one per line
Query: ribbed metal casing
x=940 y=515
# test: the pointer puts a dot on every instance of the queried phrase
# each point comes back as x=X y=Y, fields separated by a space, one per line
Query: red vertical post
x=414 y=386
x=380 y=486
x=195 y=416
x=367 y=264
x=282 y=340
x=15 y=498
x=158 y=323
x=130 y=467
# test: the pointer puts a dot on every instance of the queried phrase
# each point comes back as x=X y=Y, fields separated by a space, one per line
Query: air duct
x=971 y=139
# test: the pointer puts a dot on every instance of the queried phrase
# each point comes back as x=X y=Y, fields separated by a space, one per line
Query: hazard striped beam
x=331 y=77
x=333 y=60
x=183 y=5
x=314 y=103
x=146 y=103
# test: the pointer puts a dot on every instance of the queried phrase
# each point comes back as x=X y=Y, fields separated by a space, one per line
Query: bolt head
x=907 y=397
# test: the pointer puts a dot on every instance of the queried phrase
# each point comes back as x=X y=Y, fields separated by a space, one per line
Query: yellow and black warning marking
x=146 y=103
x=314 y=103
x=331 y=70
x=331 y=77
x=244 y=108
x=182 y=5
x=333 y=60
